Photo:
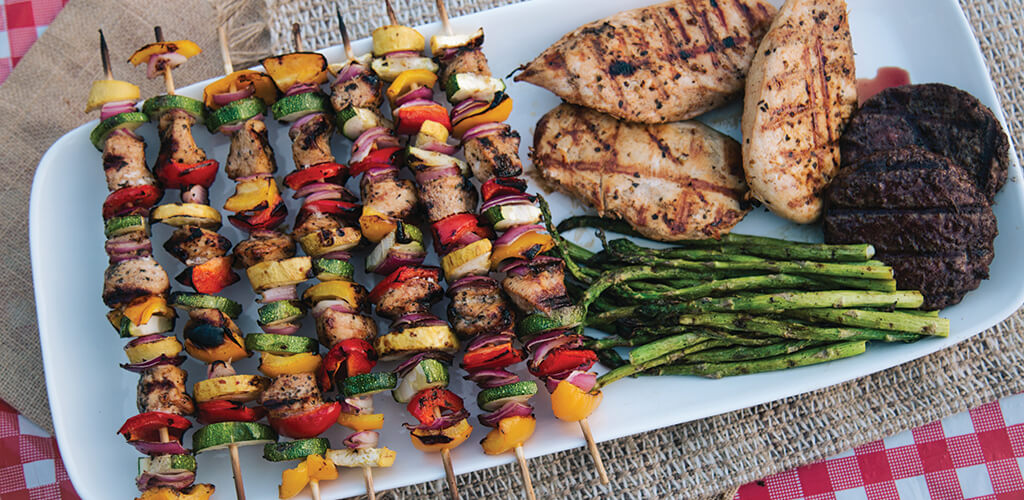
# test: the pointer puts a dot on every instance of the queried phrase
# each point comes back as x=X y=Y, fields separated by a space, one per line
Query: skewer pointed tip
x=225 y=51
x=105 y=57
x=442 y=12
x=297 y=36
x=345 y=40
x=391 y=12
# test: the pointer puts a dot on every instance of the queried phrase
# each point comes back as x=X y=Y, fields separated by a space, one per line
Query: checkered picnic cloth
x=21 y=22
x=30 y=465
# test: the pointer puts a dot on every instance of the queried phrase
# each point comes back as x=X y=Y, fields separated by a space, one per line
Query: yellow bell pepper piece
x=530 y=243
x=320 y=469
x=408 y=81
x=104 y=91
x=141 y=310
x=361 y=423
x=168 y=346
x=293 y=481
x=511 y=432
x=186 y=48
x=240 y=388
x=457 y=434
x=276 y=273
x=253 y=193
x=273 y=365
x=296 y=68
x=572 y=404
x=497 y=113
x=230 y=351
x=375 y=225
x=352 y=293
x=395 y=38
x=263 y=87
x=431 y=131
x=194 y=492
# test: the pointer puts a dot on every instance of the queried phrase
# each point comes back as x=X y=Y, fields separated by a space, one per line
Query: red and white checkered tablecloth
x=973 y=455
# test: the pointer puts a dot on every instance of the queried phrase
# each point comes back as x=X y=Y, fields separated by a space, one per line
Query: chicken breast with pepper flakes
x=801 y=92
x=657 y=64
x=677 y=181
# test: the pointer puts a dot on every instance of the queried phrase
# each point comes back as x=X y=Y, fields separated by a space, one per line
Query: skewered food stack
x=135 y=288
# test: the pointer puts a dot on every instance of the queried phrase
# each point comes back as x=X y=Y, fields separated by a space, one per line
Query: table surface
x=973 y=455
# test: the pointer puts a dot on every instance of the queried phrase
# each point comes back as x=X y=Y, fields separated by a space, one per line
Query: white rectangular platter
x=91 y=396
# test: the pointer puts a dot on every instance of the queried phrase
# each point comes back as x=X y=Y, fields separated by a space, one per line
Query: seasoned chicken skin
x=801 y=92
x=124 y=162
x=667 y=62
x=128 y=280
x=262 y=246
x=334 y=326
x=670 y=182
x=479 y=308
x=311 y=142
x=194 y=245
x=291 y=394
x=250 y=152
x=162 y=388
x=494 y=155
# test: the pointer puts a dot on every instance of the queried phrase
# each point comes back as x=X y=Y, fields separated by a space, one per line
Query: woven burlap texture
x=43 y=99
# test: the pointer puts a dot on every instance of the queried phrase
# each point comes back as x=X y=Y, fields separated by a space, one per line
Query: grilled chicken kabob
x=534 y=282
x=211 y=335
x=135 y=288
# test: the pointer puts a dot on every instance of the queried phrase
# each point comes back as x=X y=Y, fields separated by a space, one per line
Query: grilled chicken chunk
x=465 y=60
x=176 y=141
x=670 y=182
x=801 y=91
x=363 y=91
x=250 y=152
x=194 y=245
x=124 y=162
x=667 y=62
x=311 y=142
x=128 y=280
x=391 y=196
x=540 y=289
x=334 y=326
x=316 y=221
x=262 y=246
x=291 y=394
x=412 y=296
x=448 y=195
x=495 y=155
x=162 y=388
x=479 y=308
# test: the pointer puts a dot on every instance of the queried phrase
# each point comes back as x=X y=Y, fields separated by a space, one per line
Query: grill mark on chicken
x=162 y=388
x=262 y=246
x=176 y=141
x=250 y=151
x=335 y=326
x=194 y=245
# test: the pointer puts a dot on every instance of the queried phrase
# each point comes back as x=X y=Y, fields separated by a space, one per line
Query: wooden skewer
x=391 y=12
x=314 y=489
x=297 y=36
x=524 y=468
x=105 y=57
x=449 y=471
x=236 y=470
x=442 y=12
x=594 y=452
x=225 y=53
x=368 y=478
x=168 y=79
x=345 y=40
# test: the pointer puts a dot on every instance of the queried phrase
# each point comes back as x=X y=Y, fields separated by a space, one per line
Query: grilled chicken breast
x=176 y=141
x=263 y=245
x=311 y=142
x=333 y=326
x=671 y=182
x=479 y=308
x=250 y=152
x=658 y=64
x=162 y=388
x=801 y=91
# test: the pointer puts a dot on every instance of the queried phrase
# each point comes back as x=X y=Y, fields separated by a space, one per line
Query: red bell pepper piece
x=492 y=357
x=564 y=359
x=452 y=228
x=380 y=158
x=146 y=426
x=346 y=211
x=221 y=410
x=308 y=424
x=174 y=175
x=357 y=355
x=501 y=186
x=426 y=401
x=334 y=173
x=268 y=218
x=401 y=275
x=409 y=120
x=126 y=199
x=211 y=276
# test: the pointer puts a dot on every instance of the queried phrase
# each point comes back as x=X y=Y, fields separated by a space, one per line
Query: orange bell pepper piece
x=361 y=423
x=511 y=432
x=445 y=439
x=571 y=404
x=526 y=246
x=498 y=113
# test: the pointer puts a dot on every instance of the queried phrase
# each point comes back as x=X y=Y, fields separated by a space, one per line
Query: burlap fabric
x=43 y=98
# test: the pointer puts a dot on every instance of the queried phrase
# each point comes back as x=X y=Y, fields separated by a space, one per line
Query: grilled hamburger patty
x=925 y=217
x=942 y=119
